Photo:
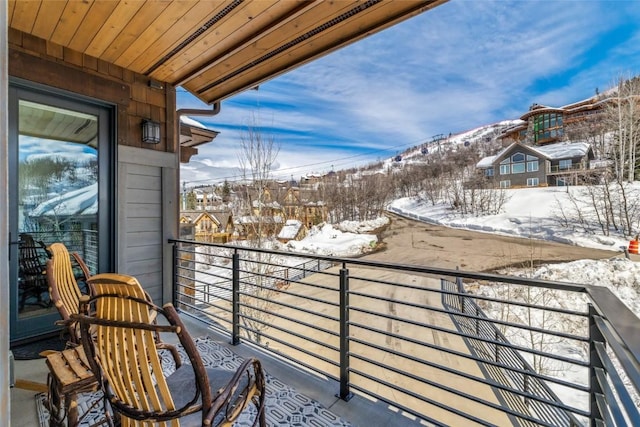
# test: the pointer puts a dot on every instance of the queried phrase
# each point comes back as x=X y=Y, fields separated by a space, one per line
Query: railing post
x=460 y=286
x=594 y=363
x=235 y=298
x=174 y=273
x=345 y=393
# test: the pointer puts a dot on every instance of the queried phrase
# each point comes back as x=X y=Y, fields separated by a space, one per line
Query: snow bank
x=327 y=240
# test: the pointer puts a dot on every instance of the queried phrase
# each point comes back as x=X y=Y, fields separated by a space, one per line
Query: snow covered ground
x=529 y=212
x=533 y=213
x=348 y=238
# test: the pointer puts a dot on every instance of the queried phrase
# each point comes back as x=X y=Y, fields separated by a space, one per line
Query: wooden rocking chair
x=31 y=274
x=63 y=287
x=120 y=343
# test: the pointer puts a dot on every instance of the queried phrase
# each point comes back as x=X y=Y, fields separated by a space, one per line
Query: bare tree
x=622 y=116
x=258 y=154
x=610 y=207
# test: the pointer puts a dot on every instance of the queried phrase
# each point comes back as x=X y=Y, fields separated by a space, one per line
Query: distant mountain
x=487 y=135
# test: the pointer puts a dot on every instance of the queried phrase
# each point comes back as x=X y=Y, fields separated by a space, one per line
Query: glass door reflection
x=57 y=200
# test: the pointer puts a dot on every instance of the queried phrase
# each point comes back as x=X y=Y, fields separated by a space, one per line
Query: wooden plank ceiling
x=214 y=49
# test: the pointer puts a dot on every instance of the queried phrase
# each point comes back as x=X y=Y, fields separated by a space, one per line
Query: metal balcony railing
x=447 y=346
x=557 y=169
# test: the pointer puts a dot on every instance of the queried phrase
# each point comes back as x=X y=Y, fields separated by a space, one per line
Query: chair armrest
x=160 y=345
x=234 y=399
x=83 y=266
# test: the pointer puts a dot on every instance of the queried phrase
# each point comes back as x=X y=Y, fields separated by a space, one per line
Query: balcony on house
x=385 y=344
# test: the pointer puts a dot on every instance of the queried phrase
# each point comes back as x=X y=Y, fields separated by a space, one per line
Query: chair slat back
x=129 y=356
x=63 y=287
x=31 y=261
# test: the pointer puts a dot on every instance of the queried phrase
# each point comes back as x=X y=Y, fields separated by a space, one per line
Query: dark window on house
x=488 y=172
x=514 y=164
x=517 y=168
x=547 y=126
x=564 y=164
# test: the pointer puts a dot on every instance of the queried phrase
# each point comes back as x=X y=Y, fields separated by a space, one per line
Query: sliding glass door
x=60 y=184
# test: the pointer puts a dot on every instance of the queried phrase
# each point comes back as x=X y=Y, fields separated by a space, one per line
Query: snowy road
x=412 y=242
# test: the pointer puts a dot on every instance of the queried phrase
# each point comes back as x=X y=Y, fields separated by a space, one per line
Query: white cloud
x=458 y=66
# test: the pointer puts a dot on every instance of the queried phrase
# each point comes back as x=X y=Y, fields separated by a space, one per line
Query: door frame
x=19 y=89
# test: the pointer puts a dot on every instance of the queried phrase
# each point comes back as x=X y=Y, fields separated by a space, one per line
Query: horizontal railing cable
x=460 y=374
x=288 y=332
x=297 y=309
x=340 y=318
x=504 y=373
x=309 y=366
x=463 y=355
x=473 y=336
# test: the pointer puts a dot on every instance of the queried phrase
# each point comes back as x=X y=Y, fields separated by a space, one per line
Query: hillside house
x=207 y=199
x=209 y=226
x=314 y=213
x=311 y=180
x=251 y=227
x=543 y=125
x=291 y=204
x=304 y=205
x=520 y=165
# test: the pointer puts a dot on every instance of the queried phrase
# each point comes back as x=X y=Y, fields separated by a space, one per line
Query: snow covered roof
x=486 y=162
x=189 y=121
x=290 y=229
x=561 y=150
x=272 y=205
x=251 y=219
x=564 y=150
x=83 y=201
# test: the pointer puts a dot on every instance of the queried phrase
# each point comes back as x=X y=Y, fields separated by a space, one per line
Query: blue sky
x=459 y=66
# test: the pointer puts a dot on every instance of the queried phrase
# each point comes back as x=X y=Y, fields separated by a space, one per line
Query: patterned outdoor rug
x=284 y=406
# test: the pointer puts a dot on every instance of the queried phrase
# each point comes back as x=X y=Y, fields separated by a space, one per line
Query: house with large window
x=543 y=125
x=520 y=165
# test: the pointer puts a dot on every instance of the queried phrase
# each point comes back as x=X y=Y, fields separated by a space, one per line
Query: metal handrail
x=432 y=342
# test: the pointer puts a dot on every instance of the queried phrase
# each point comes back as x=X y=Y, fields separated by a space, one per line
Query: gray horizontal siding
x=140 y=216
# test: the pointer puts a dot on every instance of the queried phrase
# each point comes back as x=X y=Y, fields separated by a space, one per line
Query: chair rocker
x=120 y=343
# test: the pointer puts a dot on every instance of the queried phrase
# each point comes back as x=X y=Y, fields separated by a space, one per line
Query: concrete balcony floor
x=359 y=411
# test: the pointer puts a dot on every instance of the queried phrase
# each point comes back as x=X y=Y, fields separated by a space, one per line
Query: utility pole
x=184 y=195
